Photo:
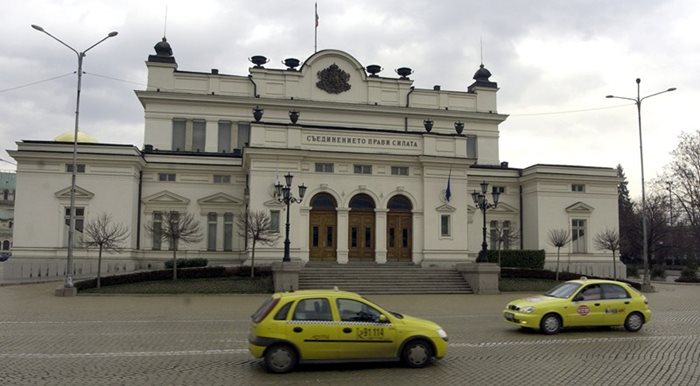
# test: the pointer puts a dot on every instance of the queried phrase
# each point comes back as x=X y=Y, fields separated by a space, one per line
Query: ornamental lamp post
x=646 y=284
x=482 y=202
x=283 y=193
x=68 y=283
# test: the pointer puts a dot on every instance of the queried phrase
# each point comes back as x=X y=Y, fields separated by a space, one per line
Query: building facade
x=388 y=170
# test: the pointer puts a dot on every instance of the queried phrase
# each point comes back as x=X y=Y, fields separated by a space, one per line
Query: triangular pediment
x=80 y=193
x=503 y=208
x=579 y=207
x=273 y=204
x=219 y=199
x=165 y=197
x=445 y=208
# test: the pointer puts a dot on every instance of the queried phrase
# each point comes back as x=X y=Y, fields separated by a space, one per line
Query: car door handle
x=298 y=329
x=627 y=302
x=596 y=304
x=347 y=330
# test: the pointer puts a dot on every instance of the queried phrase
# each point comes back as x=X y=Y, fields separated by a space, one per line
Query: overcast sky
x=554 y=61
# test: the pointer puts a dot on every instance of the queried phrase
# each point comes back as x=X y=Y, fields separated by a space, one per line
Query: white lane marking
x=569 y=341
x=123 y=354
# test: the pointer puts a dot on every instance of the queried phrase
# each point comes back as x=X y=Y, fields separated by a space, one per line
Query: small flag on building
x=448 y=193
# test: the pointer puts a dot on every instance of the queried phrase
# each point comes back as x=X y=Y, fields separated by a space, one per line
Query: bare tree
x=504 y=236
x=176 y=227
x=105 y=235
x=257 y=226
x=559 y=238
x=609 y=240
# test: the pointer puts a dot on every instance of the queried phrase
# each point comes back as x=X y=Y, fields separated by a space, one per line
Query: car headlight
x=442 y=333
x=527 y=310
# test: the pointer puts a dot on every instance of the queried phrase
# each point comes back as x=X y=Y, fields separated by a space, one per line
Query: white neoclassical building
x=375 y=153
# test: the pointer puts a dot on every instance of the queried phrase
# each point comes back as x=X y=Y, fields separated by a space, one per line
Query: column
x=380 y=237
x=342 y=251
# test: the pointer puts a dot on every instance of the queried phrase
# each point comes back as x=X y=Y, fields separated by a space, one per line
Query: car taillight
x=264 y=310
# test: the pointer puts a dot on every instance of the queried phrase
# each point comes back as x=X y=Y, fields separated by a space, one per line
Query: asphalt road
x=201 y=340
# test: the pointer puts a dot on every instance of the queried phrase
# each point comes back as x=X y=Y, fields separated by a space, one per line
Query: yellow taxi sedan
x=331 y=325
x=579 y=303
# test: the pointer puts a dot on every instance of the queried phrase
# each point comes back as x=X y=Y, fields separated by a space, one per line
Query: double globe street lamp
x=71 y=230
x=283 y=193
x=481 y=201
x=646 y=285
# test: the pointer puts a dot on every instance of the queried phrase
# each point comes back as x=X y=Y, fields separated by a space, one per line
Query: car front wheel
x=416 y=353
x=550 y=324
x=280 y=358
x=634 y=322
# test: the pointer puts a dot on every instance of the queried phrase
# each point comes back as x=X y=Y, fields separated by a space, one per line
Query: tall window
x=493 y=228
x=506 y=231
x=224 y=144
x=445 y=230
x=243 y=135
x=578 y=236
x=471 y=146
x=179 y=134
x=157 y=230
x=211 y=231
x=228 y=231
x=199 y=135
x=79 y=220
x=275 y=220
x=6 y=245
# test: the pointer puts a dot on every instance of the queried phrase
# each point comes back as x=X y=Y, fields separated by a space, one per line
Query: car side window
x=614 y=291
x=313 y=309
x=354 y=311
x=591 y=292
x=283 y=312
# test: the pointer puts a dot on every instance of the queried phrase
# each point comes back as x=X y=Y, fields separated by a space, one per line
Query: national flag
x=316 y=10
x=448 y=192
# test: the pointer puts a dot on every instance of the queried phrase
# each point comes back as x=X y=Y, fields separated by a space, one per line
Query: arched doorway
x=361 y=228
x=399 y=229
x=323 y=228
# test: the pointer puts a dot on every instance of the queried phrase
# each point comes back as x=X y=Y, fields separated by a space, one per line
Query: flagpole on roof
x=316 y=27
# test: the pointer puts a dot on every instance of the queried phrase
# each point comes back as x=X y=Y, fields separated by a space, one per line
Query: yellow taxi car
x=331 y=325
x=579 y=303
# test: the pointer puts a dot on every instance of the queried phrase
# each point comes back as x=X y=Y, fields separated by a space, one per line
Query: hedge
x=551 y=275
x=187 y=263
x=167 y=274
x=533 y=259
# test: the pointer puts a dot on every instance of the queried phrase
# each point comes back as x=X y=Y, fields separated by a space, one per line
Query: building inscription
x=362 y=141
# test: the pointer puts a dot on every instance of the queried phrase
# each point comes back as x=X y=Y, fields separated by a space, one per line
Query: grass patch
x=218 y=285
x=511 y=284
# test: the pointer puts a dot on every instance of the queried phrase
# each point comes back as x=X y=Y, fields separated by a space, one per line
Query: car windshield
x=563 y=290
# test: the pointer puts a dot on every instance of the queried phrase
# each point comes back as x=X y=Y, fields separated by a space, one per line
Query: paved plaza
x=201 y=340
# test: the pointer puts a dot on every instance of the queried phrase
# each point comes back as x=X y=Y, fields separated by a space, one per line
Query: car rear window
x=265 y=309
x=282 y=313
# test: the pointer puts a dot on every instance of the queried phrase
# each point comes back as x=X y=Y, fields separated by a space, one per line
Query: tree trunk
x=556 y=277
x=174 y=264
x=252 y=261
x=614 y=266
x=99 y=266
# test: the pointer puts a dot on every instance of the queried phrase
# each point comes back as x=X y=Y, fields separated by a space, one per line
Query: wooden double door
x=399 y=232
x=361 y=235
x=323 y=235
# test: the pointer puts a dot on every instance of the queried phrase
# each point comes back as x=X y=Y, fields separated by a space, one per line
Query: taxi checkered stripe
x=333 y=322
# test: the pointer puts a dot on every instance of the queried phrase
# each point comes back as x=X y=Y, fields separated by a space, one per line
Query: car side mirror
x=382 y=319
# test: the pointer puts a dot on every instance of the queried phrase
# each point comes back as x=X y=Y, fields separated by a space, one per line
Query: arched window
x=362 y=201
x=399 y=204
x=323 y=201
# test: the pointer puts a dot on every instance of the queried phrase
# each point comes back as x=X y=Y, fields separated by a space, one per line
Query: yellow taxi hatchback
x=580 y=303
x=331 y=325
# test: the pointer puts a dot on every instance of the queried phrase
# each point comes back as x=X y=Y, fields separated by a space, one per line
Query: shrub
x=658 y=272
x=632 y=270
x=551 y=275
x=519 y=258
x=689 y=274
x=187 y=263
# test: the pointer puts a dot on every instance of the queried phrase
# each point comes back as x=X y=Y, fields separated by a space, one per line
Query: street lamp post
x=482 y=202
x=68 y=283
x=646 y=285
x=283 y=193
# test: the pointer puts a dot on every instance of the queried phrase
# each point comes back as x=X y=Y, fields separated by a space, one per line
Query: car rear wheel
x=550 y=324
x=416 y=353
x=280 y=358
x=634 y=322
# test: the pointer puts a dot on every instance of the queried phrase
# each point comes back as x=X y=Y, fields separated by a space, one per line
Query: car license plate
x=509 y=316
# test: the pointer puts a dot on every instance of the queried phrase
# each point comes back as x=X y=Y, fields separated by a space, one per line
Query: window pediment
x=445 y=208
x=579 y=207
x=165 y=200
x=80 y=194
x=219 y=202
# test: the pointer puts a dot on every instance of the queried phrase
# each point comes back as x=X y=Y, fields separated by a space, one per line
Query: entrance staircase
x=389 y=278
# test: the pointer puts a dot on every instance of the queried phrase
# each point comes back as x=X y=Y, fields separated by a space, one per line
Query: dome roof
x=163 y=48
x=482 y=74
x=68 y=137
